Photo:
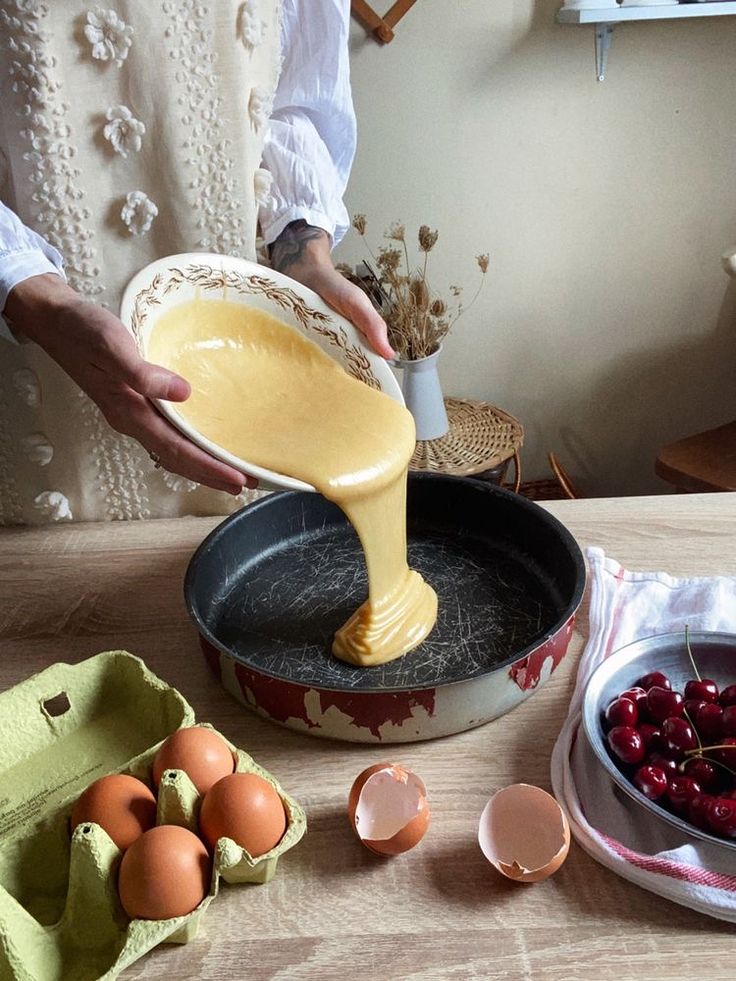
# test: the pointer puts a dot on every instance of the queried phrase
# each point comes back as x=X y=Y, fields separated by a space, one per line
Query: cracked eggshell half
x=524 y=833
x=388 y=808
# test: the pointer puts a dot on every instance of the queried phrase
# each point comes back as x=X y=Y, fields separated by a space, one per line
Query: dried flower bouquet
x=418 y=319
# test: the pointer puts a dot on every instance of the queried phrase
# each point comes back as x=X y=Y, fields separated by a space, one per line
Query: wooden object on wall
x=380 y=27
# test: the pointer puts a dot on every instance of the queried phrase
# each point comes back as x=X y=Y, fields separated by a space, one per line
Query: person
x=174 y=132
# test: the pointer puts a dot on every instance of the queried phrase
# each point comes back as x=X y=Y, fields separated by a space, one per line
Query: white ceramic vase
x=423 y=395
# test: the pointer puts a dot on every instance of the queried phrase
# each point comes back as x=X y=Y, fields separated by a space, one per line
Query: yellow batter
x=268 y=395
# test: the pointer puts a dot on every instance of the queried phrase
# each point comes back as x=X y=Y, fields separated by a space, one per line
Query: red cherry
x=708 y=720
x=705 y=689
x=651 y=781
x=728 y=696
x=626 y=743
x=663 y=703
x=722 y=816
x=680 y=791
x=697 y=811
x=692 y=706
x=651 y=737
x=725 y=753
x=678 y=737
x=663 y=763
x=654 y=679
x=622 y=712
x=728 y=721
x=638 y=696
x=703 y=772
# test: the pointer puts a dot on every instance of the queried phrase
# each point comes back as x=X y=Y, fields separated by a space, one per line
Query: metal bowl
x=715 y=657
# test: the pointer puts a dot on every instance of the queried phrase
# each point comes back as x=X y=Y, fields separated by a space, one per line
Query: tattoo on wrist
x=289 y=248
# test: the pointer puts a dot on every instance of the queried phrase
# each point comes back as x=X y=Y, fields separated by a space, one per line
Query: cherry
x=692 y=706
x=708 y=720
x=626 y=743
x=704 y=689
x=728 y=721
x=703 y=772
x=721 y=815
x=678 y=736
x=697 y=811
x=663 y=763
x=654 y=679
x=728 y=696
x=663 y=703
x=651 y=737
x=622 y=712
x=638 y=696
x=724 y=752
x=651 y=781
x=680 y=791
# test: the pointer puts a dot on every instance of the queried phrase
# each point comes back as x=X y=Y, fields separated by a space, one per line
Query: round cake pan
x=269 y=587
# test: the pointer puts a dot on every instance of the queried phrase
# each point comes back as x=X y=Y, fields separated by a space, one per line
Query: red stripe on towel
x=675 y=870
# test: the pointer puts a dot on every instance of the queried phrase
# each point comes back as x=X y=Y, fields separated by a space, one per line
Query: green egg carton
x=60 y=915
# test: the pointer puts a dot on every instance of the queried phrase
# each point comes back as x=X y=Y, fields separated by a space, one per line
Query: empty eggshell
x=388 y=808
x=524 y=833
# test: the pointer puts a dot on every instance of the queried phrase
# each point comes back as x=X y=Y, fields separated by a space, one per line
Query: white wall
x=606 y=324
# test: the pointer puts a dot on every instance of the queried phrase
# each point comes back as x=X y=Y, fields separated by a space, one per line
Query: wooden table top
x=334 y=910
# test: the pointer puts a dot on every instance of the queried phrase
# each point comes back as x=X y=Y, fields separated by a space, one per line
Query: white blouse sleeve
x=23 y=253
x=310 y=144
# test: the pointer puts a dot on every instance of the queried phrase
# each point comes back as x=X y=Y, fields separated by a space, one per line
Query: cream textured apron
x=130 y=131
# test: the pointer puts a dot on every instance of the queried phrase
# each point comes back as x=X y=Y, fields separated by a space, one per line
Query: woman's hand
x=303 y=252
x=95 y=349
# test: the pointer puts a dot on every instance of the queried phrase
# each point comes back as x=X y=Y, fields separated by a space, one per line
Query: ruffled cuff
x=318 y=219
x=306 y=183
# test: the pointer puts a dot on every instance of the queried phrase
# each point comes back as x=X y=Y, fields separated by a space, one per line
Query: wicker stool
x=481 y=442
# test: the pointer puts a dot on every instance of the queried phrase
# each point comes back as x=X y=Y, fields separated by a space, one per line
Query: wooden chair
x=705 y=462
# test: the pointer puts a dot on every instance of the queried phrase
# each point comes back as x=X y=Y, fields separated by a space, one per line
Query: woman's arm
x=309 y=151
x=99 y=354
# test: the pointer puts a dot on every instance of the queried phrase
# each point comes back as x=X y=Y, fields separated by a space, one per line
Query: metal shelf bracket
x=603 y=39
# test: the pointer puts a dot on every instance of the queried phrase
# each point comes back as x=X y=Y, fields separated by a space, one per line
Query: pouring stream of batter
x=268 y=395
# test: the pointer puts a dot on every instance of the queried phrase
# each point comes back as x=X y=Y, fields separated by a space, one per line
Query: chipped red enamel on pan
x=271 y=584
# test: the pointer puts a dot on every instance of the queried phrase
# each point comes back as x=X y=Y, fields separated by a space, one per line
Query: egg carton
x=60 y=915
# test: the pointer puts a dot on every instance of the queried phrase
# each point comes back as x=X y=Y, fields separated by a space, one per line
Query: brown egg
x=204 y=756
x=120 y=804
x=165 y=873
x=388 y=808
x=246 y=808
x=524 y=833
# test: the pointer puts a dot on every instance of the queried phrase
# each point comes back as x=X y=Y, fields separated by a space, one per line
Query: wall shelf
x=604 y=20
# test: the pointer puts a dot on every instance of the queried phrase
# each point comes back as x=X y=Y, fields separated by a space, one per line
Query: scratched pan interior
x=273 y=582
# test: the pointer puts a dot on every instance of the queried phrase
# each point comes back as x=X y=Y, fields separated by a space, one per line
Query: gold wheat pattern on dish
x=208 y=278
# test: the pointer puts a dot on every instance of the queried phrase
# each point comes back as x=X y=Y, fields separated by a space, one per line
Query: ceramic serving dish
x=177 y=278
x=715 y=657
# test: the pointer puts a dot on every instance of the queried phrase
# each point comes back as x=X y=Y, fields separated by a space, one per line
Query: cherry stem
x=690 y=653
x=706 y=749
x=692 y=726
x=681 y=766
